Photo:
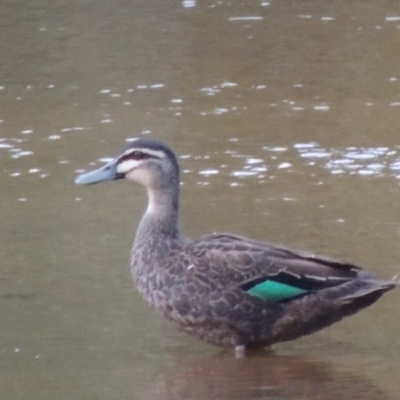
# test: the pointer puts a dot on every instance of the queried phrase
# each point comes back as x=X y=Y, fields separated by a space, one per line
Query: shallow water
x=285 y=117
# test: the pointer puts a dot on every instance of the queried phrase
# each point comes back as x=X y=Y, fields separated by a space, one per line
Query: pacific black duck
x=226 y=289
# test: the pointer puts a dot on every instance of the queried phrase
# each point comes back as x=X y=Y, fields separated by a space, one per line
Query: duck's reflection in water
x=265 y=376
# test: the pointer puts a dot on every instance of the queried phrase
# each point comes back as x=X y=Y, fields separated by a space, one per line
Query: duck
x=225 y=289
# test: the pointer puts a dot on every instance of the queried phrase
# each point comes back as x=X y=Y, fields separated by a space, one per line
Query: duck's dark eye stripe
x=136 y=155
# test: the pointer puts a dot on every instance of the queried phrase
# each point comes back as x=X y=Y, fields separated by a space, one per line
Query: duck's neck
x=161 y=219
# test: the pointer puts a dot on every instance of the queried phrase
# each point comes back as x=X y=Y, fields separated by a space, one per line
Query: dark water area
x=262 y=376
x=285 y=117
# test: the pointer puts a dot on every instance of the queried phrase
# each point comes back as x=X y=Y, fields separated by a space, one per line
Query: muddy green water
x=286 y=116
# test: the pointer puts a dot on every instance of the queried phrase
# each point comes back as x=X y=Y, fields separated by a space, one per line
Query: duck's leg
x=240 y=351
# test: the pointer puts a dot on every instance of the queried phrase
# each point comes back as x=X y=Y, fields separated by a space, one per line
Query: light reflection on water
x=364 y=161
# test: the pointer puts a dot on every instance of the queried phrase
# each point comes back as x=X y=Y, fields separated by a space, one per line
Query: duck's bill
x=107 y=172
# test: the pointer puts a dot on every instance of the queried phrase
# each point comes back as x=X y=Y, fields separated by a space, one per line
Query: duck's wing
x=265 y=270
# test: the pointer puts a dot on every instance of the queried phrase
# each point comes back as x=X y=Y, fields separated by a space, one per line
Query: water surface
x=285 y=117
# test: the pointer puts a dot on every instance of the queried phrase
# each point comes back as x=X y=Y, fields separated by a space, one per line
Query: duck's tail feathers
x=368 y=294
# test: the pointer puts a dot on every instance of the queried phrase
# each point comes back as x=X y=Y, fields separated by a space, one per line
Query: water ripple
x=363 y=161
x=268 y=163
x=353 y=160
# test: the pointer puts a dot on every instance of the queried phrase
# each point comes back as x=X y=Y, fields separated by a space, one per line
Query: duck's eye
x=137 y=155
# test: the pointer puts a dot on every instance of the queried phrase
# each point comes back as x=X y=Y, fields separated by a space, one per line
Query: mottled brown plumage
x=226 y=289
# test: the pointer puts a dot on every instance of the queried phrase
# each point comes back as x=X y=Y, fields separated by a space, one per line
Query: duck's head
x=148 y=162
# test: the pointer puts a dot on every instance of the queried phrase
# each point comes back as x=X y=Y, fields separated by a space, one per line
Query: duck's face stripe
x=125 y=166
x=134 y=152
